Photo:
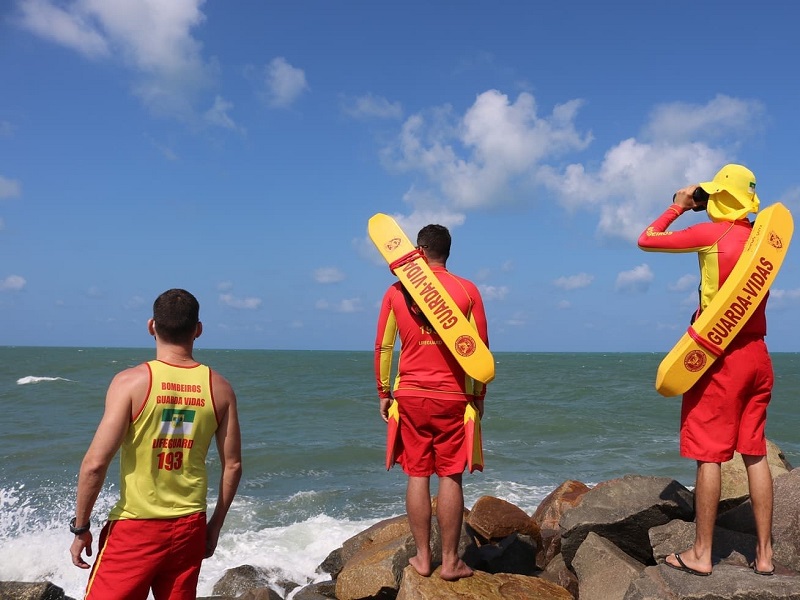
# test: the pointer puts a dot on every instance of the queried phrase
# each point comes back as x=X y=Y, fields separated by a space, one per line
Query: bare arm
x=229 y=446
x=107 y=440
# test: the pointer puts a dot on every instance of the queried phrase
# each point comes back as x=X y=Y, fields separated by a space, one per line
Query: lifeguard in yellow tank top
x=171 y=434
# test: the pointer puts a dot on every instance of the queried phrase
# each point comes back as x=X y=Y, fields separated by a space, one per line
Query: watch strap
x=79 y=530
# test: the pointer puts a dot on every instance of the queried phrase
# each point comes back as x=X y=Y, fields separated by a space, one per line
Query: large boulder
x=495 y=519
x=604 y=571
x=549 y=513
x=481 y=586
x=44 y=590
x=378 y=533
x=558 y=573
x=676 y=536
x=734 y=474
x=785 y=519
x=622 y=511
x=322 y=590
x=375 y=570
x=244 y=578
x=727 y=581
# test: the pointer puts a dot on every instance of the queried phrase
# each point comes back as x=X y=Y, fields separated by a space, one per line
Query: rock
x=322 y=590
x=734 y=473
x=481 y=586
x=566 y=496
x=375 y=571
x=622 y=511
x=676 y=536
x=377 y=534
x=495 y=519
x=240 y=579
x=44 y=590
x=727 y=581
x=604 y=571
x=785 y=520
x=513 y=554
x=263 y=593
x=558 y=573
x=548 y=515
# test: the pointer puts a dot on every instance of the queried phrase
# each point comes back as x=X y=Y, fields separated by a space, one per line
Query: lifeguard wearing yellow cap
x=732 y=193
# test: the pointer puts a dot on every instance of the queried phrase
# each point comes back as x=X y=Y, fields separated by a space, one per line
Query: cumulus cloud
x=637 y=279
x=247 y=303
x=348 y=305
x=283 y=83
x=483 y=157
x=154 y=39
x=684 y=283
x=219 y=115
x=494 y=292
x=9 y=188
x=328 y=275
x=370 y=106
x=638 y=175
x=574 y=282
x=721 y=117
x=12 y=283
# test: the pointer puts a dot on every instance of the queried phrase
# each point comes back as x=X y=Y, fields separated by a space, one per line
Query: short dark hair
x=435 y=241
x=176 y=314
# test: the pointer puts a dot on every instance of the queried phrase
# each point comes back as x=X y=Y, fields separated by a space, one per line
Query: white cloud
x=135 y=303
x=12 y=283
x=153 y=38
x=248 y=303
x=348 y=305
x=283 y=83
x=684 y=283
x=564 y=305
x=487 y=155
x=635 y=176
x=9 y=188
x=680 y=122
x=574 y=282
x=69 y=26
x=637 y=279
x=370 y=106
x=218 y=115
x=492 y=292
x=328 y=275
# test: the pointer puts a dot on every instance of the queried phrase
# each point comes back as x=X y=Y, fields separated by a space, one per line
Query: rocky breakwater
x=607 y=542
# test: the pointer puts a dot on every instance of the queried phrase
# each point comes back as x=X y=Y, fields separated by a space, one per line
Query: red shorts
x=135 y=555
x=432 y=432
x=726 y=409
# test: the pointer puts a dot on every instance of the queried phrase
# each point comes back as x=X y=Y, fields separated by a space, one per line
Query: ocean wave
x=34 y=379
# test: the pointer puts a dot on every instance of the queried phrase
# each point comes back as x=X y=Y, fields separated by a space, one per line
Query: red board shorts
x=726 y=409
x=137 y=554
x=432 y=432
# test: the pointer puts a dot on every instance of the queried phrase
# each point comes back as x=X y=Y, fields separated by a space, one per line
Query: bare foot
x=688 y=562
x=420 y=566
x=459 y=571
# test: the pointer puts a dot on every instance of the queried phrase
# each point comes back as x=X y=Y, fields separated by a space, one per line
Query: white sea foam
x=34 y=545
x=33 y=379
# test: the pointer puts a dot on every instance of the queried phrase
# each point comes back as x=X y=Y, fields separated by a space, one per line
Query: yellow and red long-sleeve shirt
x=718 y=246
x=425 y=366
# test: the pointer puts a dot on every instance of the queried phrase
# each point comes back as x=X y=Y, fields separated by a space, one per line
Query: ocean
x=313 y=446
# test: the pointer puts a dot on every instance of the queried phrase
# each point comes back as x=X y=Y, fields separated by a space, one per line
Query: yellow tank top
x=163 y=457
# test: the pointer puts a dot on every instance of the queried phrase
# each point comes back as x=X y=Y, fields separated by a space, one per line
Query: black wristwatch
x=79 y=530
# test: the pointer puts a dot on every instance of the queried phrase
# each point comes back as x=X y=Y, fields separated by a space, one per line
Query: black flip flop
x=684 y=568
x=765 y=573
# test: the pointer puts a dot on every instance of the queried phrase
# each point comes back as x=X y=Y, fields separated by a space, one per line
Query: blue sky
x=237 y=149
